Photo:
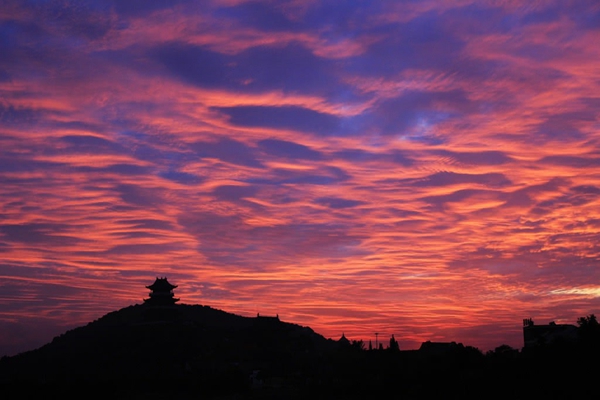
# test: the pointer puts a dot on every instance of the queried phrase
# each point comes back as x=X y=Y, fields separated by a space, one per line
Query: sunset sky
x=428 y=169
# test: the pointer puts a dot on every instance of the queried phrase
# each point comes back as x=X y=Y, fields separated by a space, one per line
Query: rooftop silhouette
x=161 y=293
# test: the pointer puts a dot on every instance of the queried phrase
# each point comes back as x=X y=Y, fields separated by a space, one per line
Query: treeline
x=226 y=364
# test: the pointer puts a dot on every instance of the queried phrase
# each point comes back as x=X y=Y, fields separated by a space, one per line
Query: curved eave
x=161 y=286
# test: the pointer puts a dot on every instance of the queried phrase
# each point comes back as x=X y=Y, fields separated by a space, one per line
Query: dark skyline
x=424 y=169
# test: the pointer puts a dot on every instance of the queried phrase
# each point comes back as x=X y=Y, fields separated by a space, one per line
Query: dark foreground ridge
x=166 y=343
x=165 y=350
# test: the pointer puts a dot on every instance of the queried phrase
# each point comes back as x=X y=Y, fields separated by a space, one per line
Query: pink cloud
x=436 y=184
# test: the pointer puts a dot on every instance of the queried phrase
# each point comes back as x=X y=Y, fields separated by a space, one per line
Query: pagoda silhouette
x=161 y=293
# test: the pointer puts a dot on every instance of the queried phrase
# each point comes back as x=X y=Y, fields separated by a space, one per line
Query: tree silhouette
x=589 y=329
x=587 y=322
x=503 y=351
x=358 y=344
x=394 y=344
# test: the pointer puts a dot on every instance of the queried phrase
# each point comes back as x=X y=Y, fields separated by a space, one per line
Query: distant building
x=267 y=322
x=161 y=293
x=551 y=334
x=439 y=348
x=267 y=318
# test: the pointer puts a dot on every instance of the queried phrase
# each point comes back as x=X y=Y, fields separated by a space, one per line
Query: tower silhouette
x=161 y=293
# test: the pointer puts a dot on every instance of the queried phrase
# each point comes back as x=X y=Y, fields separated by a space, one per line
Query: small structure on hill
x=551 y=334
x=267 y=318
x=161 y=293
x=267 y=322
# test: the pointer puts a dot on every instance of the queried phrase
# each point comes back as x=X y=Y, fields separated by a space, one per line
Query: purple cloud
x=386 y=163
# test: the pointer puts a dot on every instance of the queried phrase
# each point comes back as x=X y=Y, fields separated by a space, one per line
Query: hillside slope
x=149 y=343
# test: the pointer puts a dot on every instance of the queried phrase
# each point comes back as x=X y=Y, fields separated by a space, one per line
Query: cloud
x=91 y=145
x=490 y=157
x=195 y=65
x=337 y=203
x=234 y=193
x=451 y=178
x=571 y=161
x=357 y=167
x=40 y=233
x=292 y=118
x=138 y=196
x=291 y=150
x=228 y=150
x=181 y=177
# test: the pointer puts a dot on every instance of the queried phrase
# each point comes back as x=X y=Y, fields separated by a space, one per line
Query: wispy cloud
x=427 y=169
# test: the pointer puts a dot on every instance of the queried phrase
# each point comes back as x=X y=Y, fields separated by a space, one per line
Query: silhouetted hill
x=192 y=351
x=148 y=344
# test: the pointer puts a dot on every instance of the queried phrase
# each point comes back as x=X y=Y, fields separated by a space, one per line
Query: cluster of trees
x=589 y=329
x=360 y=345
x=588 y=335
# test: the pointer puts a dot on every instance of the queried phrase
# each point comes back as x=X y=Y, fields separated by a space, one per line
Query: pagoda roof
x=161 y=284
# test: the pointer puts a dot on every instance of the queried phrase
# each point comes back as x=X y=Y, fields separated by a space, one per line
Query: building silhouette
x=551 y=334
x=161 y=293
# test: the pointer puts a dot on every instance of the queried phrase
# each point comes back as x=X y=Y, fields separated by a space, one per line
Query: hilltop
x=148 y=343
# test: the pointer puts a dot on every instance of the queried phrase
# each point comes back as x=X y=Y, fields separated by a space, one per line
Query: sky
x=428 y=169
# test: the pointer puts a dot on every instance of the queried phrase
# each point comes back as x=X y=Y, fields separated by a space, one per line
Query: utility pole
x=376 y=340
